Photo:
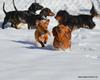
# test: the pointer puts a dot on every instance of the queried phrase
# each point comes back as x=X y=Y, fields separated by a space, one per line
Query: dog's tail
x=14 y=6
x=4 y=8
x=35 y=1
x=93 y=11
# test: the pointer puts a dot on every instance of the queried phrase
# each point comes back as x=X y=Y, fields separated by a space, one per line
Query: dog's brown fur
x=41 y=33
x=62 y=37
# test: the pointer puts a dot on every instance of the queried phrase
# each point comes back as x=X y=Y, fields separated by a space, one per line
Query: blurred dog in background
x=79 y=21
x=15 y=17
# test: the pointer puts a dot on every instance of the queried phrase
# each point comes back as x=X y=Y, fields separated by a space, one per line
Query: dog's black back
x=79 y=21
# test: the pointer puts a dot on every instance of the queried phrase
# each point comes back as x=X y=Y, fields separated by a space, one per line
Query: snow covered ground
x=22 y=59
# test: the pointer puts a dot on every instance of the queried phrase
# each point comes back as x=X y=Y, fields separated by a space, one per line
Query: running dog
x=14 y=16
x=41 y=33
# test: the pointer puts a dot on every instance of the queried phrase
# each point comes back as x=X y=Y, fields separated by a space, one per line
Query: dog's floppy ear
x=37 y=22
x=47 y=20
x=64 y=19
x=43 y=12
x=34 y=7
x=46 y=12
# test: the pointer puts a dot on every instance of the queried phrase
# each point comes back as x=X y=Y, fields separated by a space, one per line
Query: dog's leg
x=16 y=25
x=42 y=44
x=45 y=42
x=12 y=25
x=46 y=39
x=91 y=25
x=29 y=26
x=5 y=22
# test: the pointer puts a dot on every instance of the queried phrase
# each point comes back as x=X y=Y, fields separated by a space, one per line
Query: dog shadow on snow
x=33 y=45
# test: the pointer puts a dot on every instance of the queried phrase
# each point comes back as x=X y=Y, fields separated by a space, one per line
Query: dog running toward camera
x=41 y=33
x=62 y=37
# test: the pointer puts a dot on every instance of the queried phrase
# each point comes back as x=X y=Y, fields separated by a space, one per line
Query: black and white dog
x=79 y=21
x=14 y=16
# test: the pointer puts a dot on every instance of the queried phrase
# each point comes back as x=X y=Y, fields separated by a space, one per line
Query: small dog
x=41 y=33
x=62 y=37
x=79 y=21
x=14 y=16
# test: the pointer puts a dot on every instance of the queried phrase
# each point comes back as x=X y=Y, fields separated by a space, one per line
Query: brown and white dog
x=41 y=33
x=62 y=37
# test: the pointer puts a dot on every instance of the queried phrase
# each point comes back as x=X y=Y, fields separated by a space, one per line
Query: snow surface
x=21 y=58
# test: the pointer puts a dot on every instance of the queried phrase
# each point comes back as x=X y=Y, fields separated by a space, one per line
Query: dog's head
x=42 y=25
x=34 y=7
x=46 y=12
x=62 y=17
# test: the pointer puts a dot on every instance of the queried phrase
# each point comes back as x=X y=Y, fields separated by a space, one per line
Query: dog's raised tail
x=14 y=6
x=4 y=8
x=93 y=11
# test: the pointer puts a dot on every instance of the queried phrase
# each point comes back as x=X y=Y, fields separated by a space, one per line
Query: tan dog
x=41 y=33
x=62 y=37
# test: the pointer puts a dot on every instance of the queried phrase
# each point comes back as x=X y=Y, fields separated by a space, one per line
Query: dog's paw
x=45 y=42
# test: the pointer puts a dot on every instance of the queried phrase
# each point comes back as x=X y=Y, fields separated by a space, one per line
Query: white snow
x=21 y=58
